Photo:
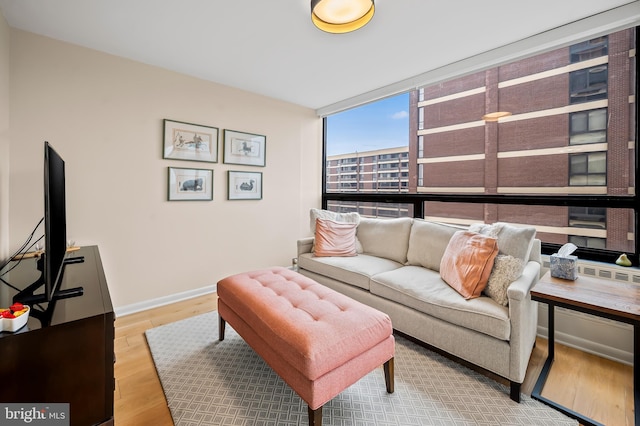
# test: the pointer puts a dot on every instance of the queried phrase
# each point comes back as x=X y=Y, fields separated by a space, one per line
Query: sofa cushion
x=334 y=238
x=466 y=263
x=423 y=290
x=513 y=241
x=427 y=243
x=351 y=217
x=388 y=238
x=356 y=270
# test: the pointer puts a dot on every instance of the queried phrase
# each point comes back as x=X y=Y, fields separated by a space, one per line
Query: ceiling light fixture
x=495 y=116
x=341 y=16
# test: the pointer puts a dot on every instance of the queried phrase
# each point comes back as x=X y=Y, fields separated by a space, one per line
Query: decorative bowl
x=14 y=324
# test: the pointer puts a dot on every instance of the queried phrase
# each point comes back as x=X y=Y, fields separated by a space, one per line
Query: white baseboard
x=590 y=346
x=605 y=338
x=163 y=301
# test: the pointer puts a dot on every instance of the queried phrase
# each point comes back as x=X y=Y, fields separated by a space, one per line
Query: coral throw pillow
x=334 y=238
x=467 y=262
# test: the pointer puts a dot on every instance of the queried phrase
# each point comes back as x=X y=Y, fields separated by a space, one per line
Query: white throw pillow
x=512 y=240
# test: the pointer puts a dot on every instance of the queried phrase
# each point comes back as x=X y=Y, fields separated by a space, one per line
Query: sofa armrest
x=523 y=314
x=536 y=251
x=305 y=245
x=519 y=289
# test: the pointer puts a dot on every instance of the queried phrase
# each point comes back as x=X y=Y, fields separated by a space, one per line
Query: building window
x=588 y=242
x=588 y=126
x=588 y=217
x=588 y=85
x=348 y=185
x=420 y=118
x=387 y=157
x=589 y=169
x=589 y=49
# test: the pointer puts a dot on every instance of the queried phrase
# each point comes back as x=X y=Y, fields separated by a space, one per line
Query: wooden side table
x=603 y=298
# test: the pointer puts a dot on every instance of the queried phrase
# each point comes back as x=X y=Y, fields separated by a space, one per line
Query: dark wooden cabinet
x=71 y=360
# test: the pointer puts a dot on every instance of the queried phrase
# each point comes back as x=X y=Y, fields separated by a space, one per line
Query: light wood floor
x=596 y=387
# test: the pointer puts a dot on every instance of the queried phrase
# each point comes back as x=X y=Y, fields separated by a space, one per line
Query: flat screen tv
x=55 y=220
x=53 y=260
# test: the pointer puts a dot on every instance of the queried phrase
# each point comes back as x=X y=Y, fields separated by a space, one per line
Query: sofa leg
x=515 y=391
x=389 y=375
x=221 y=324
x=315 y=416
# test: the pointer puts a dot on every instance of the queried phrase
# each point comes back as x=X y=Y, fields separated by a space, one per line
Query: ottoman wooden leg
x=388 y=375
x=315 y=416
x=221 y=324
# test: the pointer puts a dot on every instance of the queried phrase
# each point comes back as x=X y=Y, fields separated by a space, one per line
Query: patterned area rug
x=207 y=382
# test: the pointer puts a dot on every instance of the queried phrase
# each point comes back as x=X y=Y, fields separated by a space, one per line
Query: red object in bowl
x=7 y=314
x=16 y=307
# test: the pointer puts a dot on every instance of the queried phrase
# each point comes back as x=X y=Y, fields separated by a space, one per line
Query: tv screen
x=52 y=263
x=55 y=221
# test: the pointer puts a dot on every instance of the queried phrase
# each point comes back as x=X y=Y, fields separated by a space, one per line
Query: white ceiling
x=270 y=47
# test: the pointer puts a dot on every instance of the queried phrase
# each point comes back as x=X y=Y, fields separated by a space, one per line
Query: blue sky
x=381 y=124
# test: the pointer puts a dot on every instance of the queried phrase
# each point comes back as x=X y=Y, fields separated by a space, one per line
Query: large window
x=564 y=161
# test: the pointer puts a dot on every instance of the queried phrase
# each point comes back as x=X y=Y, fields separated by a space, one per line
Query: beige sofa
x=396 y=270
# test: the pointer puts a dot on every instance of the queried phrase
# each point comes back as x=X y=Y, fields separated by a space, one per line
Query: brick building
x=571 y=131
x=382 y=170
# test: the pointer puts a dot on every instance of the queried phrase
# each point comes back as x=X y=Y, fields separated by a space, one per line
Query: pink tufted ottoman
x=317 y=340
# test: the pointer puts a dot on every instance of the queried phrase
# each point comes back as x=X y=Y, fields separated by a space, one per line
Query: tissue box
x=565 y=267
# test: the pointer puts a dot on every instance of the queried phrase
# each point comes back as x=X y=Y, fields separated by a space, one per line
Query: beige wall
x=104 y=115
x=4 y=139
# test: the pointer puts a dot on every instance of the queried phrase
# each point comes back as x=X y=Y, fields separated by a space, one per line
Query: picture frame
x=190 y=184
x=188 y=141
x=244 y=148
x=244 y=185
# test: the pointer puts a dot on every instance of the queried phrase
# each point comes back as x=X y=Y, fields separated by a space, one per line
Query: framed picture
x=190 y=184
x=244 y=185
x=244 y=148
x=186 y=141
